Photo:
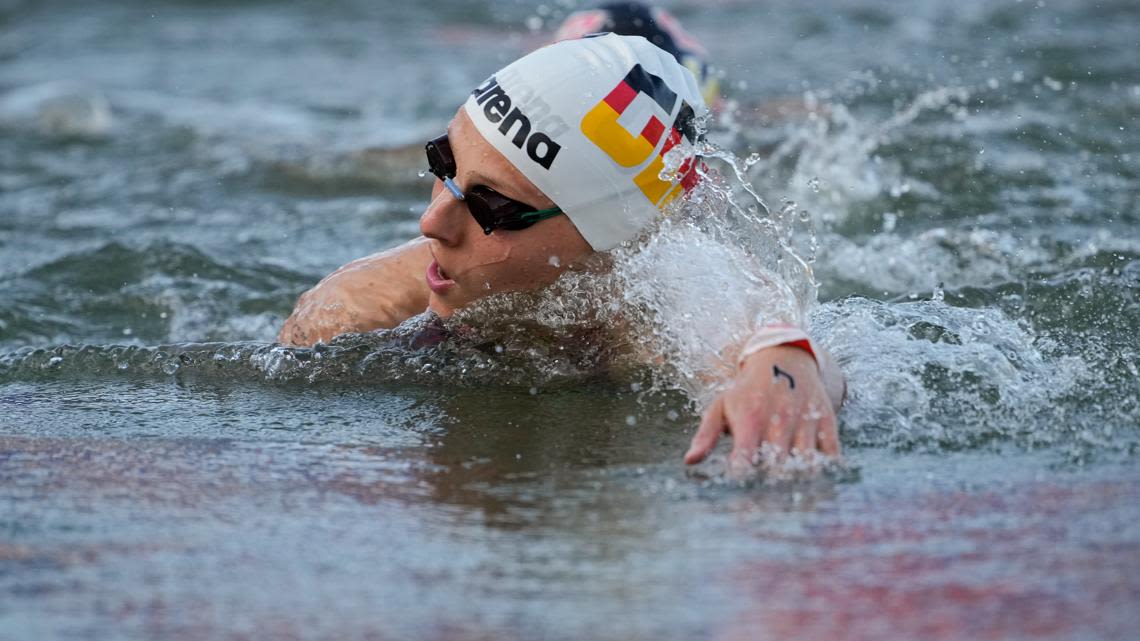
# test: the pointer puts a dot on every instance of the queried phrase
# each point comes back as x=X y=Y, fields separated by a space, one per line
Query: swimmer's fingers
x=746 y=417
x=785 y=422
x=817 y=417
x=808 y=433
x=747 y=433
x=712 y=425
x=827 y=434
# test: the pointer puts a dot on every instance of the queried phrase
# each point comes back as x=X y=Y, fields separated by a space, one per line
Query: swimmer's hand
x=777 y=397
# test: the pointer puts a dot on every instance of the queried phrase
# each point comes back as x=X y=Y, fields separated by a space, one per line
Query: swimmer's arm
x=783 y=395
x=375 y=292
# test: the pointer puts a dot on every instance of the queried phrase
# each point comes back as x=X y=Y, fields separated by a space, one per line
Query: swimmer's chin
x=445 y=304
x=438 y=307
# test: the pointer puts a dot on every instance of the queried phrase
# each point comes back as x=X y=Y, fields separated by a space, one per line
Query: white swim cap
x=589 y=121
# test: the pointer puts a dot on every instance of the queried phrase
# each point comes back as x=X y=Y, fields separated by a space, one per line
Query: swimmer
x=663 y=29
x=536 y=164
x=656 y=25
x=397 y=165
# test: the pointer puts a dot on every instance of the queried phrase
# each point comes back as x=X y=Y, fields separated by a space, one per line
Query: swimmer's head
x=582 y=126
x=656 y=25
x=589 y=122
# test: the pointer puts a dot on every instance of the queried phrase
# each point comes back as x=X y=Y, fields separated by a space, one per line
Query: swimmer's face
x=470 y=264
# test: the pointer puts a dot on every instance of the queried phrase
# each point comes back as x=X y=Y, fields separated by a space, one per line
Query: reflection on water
x=515 y=521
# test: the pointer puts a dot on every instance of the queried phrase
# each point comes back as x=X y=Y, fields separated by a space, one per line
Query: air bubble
x=890 y=219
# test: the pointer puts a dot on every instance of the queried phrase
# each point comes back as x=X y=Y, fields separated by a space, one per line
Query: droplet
x=631 y=420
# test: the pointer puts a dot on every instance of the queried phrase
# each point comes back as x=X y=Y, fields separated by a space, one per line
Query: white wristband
x=774 y=335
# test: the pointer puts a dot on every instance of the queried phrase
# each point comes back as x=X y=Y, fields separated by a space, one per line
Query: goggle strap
x=453 y=188
x=541 y=214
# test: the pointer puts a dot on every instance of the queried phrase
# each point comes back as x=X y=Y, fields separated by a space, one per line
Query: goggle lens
x=441 y=162
x=490 y=209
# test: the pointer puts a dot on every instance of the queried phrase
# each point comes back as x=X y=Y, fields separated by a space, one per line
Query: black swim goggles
x=490 y=209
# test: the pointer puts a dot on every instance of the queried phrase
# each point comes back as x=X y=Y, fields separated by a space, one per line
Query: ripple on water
x=931 y=376
x=146 y=294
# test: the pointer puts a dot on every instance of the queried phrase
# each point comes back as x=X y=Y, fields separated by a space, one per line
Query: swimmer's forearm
x=407 y=263
x=375 y=292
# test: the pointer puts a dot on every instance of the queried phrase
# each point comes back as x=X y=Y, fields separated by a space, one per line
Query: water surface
x=173 y=175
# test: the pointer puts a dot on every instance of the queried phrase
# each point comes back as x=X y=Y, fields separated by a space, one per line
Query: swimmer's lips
x=437 y=281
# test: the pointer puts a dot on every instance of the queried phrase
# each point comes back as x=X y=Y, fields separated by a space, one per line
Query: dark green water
x=173 y=175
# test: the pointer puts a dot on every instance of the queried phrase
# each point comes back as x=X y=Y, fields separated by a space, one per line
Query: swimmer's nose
x=443 y=219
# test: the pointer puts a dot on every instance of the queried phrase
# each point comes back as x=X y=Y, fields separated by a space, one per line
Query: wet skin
x=472 y=264
x=385 y=289
x=777 y=396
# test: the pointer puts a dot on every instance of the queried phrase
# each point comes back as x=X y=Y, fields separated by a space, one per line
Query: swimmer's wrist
x=780 y=354
x=777 y=336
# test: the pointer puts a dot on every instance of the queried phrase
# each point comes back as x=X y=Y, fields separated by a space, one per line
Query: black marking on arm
x=777 y=372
